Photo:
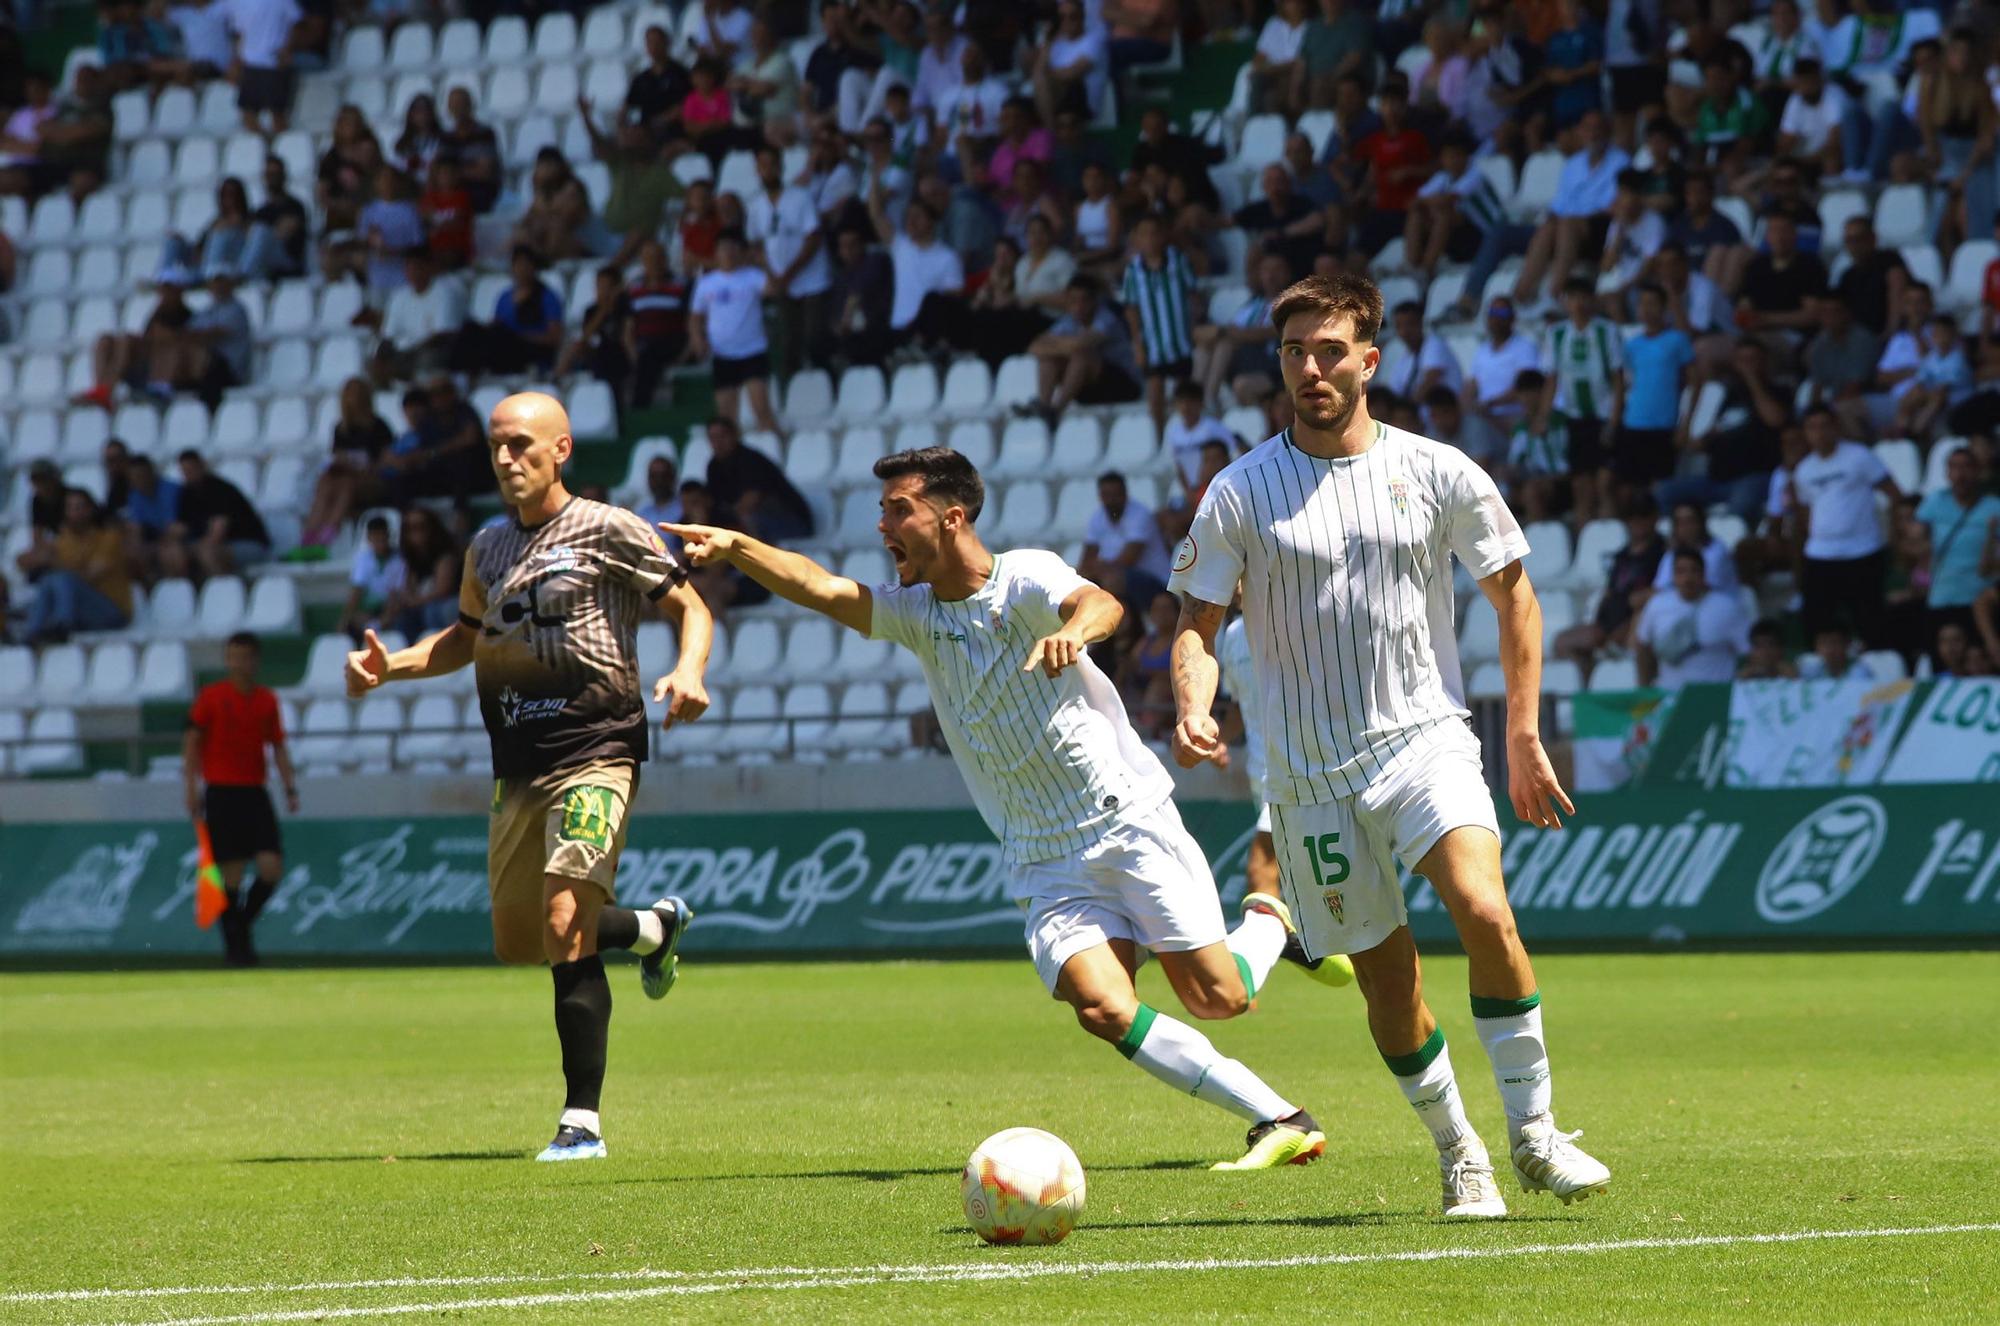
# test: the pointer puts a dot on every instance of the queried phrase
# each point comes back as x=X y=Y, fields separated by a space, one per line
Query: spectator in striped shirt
x=1453 y=212
x=1584 y=360
x=1537 y=465
x=1158 y=284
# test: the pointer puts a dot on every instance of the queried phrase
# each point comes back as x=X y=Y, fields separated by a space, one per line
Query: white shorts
x=1263 y=804
x=1146 y=881
x=1337 y=862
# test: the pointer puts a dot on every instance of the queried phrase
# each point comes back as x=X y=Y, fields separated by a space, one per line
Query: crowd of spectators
x=1703 y=318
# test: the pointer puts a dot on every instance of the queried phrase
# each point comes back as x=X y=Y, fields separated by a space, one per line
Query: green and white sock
x=1511 y=1031
x=1257 y=944
x=1427 y=1083
x=1186 y=1060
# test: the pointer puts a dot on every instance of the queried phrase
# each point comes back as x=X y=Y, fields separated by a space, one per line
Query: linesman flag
x=211 y=900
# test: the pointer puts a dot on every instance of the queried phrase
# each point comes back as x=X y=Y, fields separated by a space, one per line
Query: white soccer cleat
x=1469 y=1190
x=1549 y=1160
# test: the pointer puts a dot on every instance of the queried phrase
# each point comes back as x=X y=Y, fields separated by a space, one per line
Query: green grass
x=279 y=1127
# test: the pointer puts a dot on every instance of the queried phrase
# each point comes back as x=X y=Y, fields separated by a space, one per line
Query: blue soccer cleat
x=659 y=969
x=572 y=1143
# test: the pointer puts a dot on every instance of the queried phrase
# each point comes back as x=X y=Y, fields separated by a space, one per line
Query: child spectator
x=1584 y=362
x=1944 y=378
x=1537 y=450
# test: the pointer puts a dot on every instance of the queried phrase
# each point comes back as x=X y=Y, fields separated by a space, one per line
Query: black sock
x=583 y=1023
x=260 y=893
x=617 y=927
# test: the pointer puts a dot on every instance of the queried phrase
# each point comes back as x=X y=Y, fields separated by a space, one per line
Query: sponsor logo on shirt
x=554 y=561
x=956 y=637
x=516 y=709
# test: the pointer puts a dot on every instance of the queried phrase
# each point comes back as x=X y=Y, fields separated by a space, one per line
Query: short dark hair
x=1189 y=390
x=1817 y=407
x=1635 y=180
x=1690 y=555
x=1766 y=628
x=1640 y=506
x=188 y=454
x=1530 y=379
x=1440 y=396
x=1408 y=306
x=247 y=640
x=1113 y=476
x=1579 y=285
x=731 y=234
x=612 y=270
x=1650 y=288
x=947 y=475
x=375 y=523
x=1356 y=297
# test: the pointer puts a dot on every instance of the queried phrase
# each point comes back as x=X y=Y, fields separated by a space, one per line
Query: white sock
x=1520 y=1056
x=1257 y=943
x=652 y=932
x=585 y=1119
x=1432 y=1090
x=1185 y=1059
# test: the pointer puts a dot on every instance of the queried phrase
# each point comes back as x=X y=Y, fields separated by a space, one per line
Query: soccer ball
x=1023 y=1185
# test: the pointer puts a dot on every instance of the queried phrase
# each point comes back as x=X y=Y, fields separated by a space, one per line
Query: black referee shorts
x=241 y=822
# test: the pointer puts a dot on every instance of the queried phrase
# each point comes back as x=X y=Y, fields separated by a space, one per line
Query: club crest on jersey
x=1185 y=554
x=1399 y=496
x=1335 y=904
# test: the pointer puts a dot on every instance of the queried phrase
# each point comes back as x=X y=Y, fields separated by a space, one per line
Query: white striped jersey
x=1347 y=592
x=1232 y=657
x=1585 y=365
x=1161 y=297
x=1053 y=765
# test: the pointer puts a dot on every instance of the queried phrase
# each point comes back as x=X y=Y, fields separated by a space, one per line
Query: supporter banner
x=1615 y=735
x=1898 y=862
x=1954 y=738
x=1692 y=747
x=1813 y=733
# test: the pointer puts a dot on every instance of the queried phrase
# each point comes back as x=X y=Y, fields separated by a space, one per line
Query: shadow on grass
x=379 y=1159
x=1342 y=1220
x=885 y=1175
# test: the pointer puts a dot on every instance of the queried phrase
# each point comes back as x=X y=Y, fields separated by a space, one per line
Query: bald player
x=548 y=616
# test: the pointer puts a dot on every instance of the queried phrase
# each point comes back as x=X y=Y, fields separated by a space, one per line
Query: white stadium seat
x=1023 y=519
x=968 y=387
x=173 y=609
x=113 y=674
x=1016 y=383
x=1615 y=674
x=808 y=711
x=1903 y=461
x=411 y=50
x=1078 y=446
x=52 y=745
x=1596 y=544
x=164 y=672
x=754 y=732
x=809 y=458
x=1134 y=445
x=1024 y=450
x=864 y=724
x=860 y=448
x=860 y=512
x=1074 y=505
x=1902 y=216
x=60 y=675
x=860 y=658
x=973 y=440
x=754 y=649
x=862 y=396
x=604 y=33
x=914 y=392
x=808 y=399
x=809 y=649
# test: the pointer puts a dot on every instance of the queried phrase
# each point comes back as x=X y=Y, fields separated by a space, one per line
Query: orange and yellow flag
x=211 y=900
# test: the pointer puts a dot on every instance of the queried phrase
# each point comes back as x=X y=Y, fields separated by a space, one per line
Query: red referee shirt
x=235 y=726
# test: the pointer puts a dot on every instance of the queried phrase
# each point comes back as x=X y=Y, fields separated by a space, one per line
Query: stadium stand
x=175 y=277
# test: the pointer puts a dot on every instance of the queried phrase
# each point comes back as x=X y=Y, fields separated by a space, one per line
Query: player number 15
x=1328 y=862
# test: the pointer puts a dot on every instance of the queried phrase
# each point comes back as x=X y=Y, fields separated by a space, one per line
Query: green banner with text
x=1671 y=865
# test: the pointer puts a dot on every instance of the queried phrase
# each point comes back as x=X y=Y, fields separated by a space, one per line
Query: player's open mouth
x=895 y=553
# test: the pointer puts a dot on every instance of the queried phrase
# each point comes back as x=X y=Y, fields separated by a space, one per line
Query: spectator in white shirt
x=785 y=234
x=973 y=114
x=262 y=66
x=726 y=323
x=940 y=67
x=1501 y=358
x=1274 y=65
x=722 y=33
x=1122 y=548
x=1631 y=239
x=376 y=572
x=1584 y=194
x=1845 y=559
x=204 y=29
x=930 y=279
x=1811 y=126
x=1071 y=68
x=1693 y=634
x=1189 y=429
x=1413 y=363
x=1690 y=534
x=419 y=327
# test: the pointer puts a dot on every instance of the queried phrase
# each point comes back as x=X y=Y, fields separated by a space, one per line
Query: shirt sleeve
x=471 y=594
x=1481 y=531
x=635 y=554
x=1047 y=581
x=896 y=613
x=274 y=721
x=1209 y=562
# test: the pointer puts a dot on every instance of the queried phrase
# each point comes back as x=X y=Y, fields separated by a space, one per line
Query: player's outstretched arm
x=433 y=656
x=1089 y=614
x=786 y=574
x=684 y=690
x=1196 y=734
x=1531 y=781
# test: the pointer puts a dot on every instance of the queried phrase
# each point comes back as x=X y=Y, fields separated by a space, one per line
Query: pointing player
x=1342 y=531
x=548 y=616
x=1095 y=849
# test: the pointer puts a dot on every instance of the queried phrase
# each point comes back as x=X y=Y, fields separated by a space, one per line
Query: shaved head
x=531 y=412
x=530 y=441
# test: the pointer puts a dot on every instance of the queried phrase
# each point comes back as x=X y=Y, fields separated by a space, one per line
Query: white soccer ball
x=1023 y=1185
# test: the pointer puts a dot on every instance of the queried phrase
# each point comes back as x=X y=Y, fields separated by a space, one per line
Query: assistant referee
x=232 y=721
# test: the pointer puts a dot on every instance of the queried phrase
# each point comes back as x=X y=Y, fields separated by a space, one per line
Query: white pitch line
x=789 y=1278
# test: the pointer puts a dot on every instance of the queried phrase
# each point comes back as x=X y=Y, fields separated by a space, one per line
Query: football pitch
x=1794 y=1137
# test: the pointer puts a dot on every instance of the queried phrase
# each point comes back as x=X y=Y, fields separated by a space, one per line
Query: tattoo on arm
x=1194 y=667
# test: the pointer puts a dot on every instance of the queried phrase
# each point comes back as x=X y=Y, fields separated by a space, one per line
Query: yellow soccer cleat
x=1292 y=1140
x=1333 y=970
